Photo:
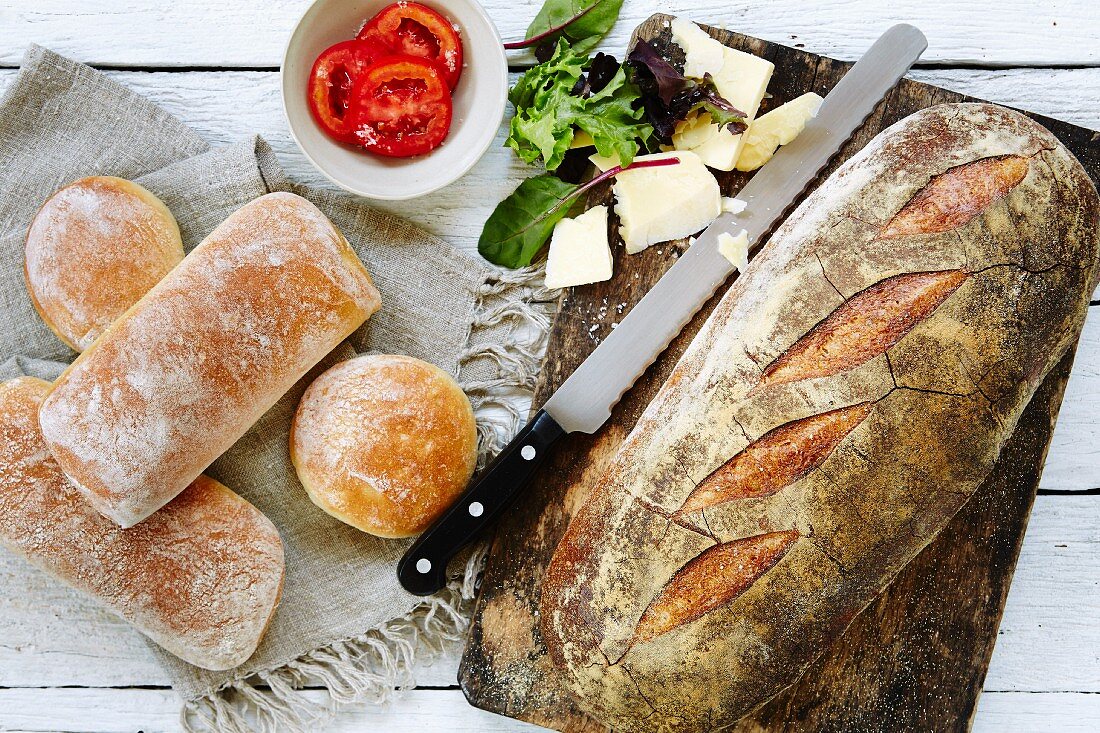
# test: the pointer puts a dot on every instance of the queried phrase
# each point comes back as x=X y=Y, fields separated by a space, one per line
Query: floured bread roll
x=184 y=373
x=384 y=443
x=93 y=250
x=201 y=578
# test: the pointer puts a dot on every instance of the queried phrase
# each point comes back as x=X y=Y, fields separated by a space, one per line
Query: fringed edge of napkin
x=515 y=297
x=380 y=664
x=373 y=667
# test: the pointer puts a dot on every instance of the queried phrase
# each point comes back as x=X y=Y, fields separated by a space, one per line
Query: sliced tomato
x=417 y=30
x=402 y=107
x=331 y=82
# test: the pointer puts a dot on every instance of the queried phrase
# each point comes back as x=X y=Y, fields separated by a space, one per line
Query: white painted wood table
x=215 y=64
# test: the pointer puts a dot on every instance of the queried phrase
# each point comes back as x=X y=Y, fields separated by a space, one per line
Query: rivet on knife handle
x=423 y=569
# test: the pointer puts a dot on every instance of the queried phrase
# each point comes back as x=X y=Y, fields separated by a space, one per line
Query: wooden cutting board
x=913 y=660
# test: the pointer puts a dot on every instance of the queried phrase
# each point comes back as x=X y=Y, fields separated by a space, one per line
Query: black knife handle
x=423 y=569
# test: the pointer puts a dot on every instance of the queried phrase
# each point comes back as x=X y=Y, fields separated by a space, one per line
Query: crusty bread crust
x=384 y=443
x=936 y=277
x=202 y=577
x=93 y=250
x=187 y=370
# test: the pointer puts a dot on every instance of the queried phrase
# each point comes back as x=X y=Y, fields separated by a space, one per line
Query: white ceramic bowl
x=479 y=101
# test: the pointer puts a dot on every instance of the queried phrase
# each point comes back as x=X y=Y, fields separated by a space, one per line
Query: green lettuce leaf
x=548 y=111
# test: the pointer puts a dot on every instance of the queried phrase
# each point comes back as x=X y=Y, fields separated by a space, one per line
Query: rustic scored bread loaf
x=843 y=401
x=93 y=249
x=384 y=443
x=188 y=369
x=201 y=578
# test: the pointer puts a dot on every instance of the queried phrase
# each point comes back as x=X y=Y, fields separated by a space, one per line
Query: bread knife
x=583 y=402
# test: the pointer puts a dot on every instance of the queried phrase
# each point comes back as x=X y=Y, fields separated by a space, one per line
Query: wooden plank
x=252 y=33
x=1066 y=712
x=1073 y=463
x=157 y=711
x=39 y=646
x=887 y=673
x=1069 y=95
x=1043 y=644
x=150 y=711
x=974 y=32
x=91 y=647
x=225 y=107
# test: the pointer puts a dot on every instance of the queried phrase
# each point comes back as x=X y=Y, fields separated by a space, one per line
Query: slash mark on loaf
x=957 y=195
x=777 y=459
x=865 y=326
x=710 y=580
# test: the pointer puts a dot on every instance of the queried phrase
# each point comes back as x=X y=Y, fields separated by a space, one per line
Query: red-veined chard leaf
x=520 y=224
x=581 y=22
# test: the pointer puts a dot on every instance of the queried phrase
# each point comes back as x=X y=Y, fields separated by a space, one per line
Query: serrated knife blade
x=584 y=401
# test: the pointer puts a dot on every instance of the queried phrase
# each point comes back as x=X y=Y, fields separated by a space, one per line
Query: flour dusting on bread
x=191 y=367
x=945 y=322
x=384 y=443
x=93 y=250
x=201 y=577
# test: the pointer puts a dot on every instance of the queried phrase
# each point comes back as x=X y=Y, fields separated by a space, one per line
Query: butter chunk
x=668 y=202
x=721 y=150
x=579 y=251
x=735 y=248
x=778 y=127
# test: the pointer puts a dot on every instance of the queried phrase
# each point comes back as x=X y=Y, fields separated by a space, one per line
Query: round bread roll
x=384 y=443
x=93 y=250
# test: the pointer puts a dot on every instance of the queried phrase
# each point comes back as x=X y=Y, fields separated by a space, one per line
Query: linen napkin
x=344 y=622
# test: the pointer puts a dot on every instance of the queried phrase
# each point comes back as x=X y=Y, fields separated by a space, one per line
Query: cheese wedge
x=731 y=205
x=579 y=251
x=581 y=139
x=743 y=81
x=703 y=54
x=693 y=132
x=668 y=202
x=741 y=78
x=603 y=163
x=721 y=151
x=735 y=248
x=775 y=128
